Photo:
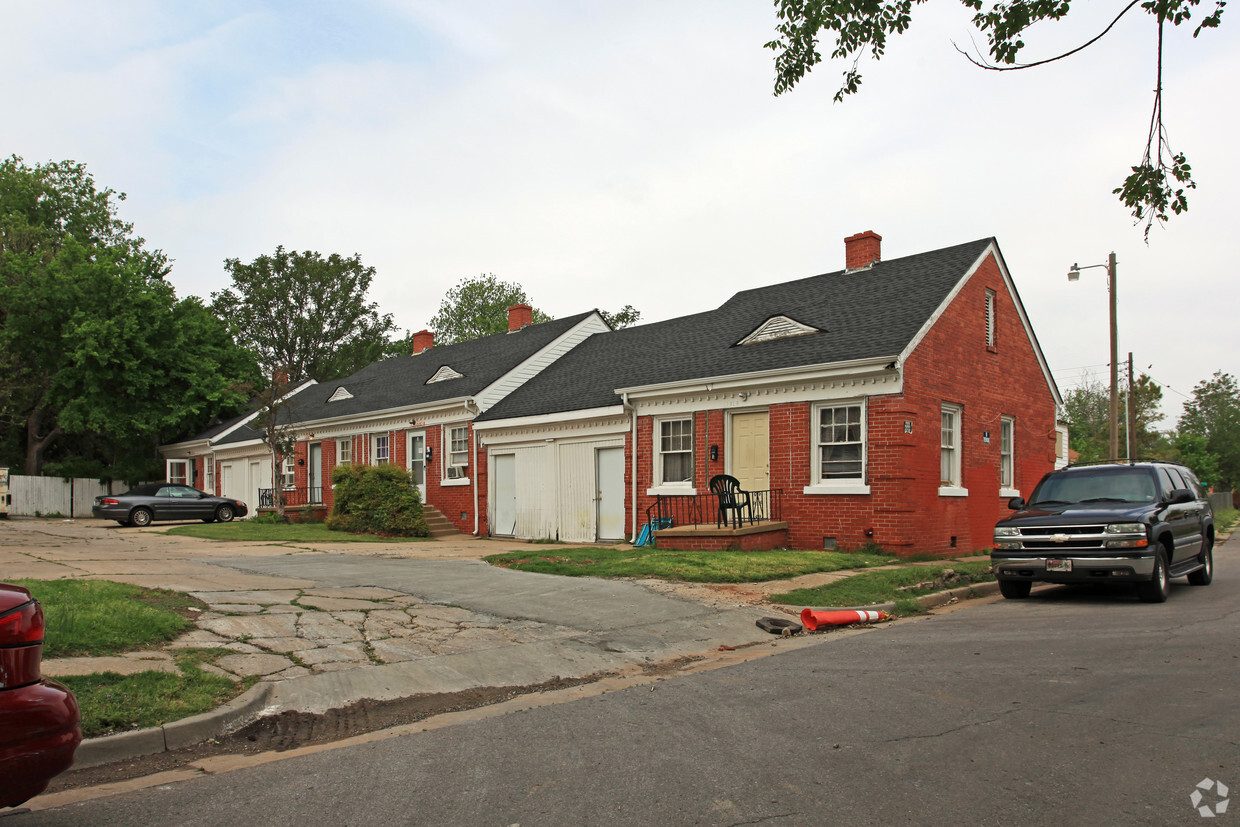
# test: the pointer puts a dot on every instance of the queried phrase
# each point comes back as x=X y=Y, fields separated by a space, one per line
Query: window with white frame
x=456 y=449
x=841 y=443
x=178 y=471
x=208 y=464
x=381 y=454
x=288 y=472
x=1007 y=475
x=344 y=451
x=949 y=447
x=990 y=318
x=675 y=451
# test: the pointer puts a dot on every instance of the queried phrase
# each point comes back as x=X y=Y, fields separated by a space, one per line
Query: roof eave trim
x=550 y=419
x=247 y=420
x=742 y=380
x=424 y=408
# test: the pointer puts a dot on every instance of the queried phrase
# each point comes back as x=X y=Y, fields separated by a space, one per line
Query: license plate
x=1059 y=565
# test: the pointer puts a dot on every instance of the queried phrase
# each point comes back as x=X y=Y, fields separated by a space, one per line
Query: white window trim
x=956 y=487
x=657 y=486
x=374 y=449
x=346 y=441
x=184 y=478
x=821 y=486
x=288 y=472
x=445 y=463
x=1010 y=491
x=208 y=472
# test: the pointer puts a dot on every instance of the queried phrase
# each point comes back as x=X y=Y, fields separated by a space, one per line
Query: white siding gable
x=531 y=367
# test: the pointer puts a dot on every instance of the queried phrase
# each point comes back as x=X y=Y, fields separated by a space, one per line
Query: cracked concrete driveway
x=333 y=623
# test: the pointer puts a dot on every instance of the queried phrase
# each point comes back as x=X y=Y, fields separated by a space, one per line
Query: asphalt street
x=1069 y=707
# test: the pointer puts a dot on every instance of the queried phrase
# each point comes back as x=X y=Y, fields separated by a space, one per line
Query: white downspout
x=473 y=437
x=632 y=412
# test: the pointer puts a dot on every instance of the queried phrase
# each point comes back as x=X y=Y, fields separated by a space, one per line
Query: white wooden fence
x=46 y=496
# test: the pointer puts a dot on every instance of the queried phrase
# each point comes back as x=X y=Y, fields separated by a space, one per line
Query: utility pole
x=1114 y=362
x=1132 y=411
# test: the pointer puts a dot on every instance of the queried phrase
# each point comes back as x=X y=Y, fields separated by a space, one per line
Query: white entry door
x=417 y=461
x=314 y=473
x=504 y=509
x=610 y=485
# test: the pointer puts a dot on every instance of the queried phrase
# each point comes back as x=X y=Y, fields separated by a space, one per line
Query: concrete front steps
x=439 y=525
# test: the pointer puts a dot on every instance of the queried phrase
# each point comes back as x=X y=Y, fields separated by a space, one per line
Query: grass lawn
x=1225 y=520
x=98 y=617
x=872 y=587
x=115 y=703
x=690 y=566
x=249 y=531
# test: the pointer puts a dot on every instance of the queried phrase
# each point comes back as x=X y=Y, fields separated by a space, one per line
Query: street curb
x=929 y=601
x=235 y=714
x=249 y=705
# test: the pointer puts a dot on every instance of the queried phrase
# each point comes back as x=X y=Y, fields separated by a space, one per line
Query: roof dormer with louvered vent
x=777 y=327
x=340 y=395
x=444 y=374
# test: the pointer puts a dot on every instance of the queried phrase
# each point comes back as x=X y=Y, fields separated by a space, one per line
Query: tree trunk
x=35 y=444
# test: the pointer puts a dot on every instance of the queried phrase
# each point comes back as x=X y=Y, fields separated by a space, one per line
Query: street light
x=1073 y=274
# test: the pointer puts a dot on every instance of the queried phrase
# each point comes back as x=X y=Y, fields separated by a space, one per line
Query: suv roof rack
x=1131 y=461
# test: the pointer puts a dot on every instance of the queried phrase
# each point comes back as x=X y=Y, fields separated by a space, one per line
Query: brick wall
x=904 y=511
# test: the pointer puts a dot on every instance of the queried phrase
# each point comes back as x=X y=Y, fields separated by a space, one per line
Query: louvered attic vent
x=340 y=395
x=777 y=327
x=444 y=374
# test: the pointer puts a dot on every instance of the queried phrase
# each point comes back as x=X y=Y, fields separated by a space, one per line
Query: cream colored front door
x=751 y=451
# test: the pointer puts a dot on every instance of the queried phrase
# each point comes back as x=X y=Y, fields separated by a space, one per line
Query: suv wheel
x=1158 y=586
x=1205 y=574
x=1015 y=589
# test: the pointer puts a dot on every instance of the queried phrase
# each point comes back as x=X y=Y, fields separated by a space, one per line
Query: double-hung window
x=1007 y=469
x=344 y=451
x=837 y=436
x=288 y=472
x=949 y=452
x=382 y=450
x=208 y=465
x=456 y=449
x=178 y=471
x=675 y=452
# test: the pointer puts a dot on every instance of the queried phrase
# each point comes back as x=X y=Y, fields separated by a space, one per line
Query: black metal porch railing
x=293 y=497
x=703 y=509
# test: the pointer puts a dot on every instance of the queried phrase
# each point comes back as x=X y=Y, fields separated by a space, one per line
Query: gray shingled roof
x=400 y=382
x=862 y=314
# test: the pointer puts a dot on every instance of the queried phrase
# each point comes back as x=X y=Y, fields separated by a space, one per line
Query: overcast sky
x=604 y=153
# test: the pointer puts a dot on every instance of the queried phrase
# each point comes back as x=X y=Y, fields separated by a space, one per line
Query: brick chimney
x=863 y=249
x=519 y=316
x=423 y=340
x=279 y=378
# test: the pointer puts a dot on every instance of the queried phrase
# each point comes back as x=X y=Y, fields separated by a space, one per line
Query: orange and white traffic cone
x=814 y=620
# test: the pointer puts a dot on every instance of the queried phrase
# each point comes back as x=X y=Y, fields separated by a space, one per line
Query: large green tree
x=1213 y=412
x=1088 y=408
x=305 y=314
x=96 y=352
x=1154 y=187
x=478 y=307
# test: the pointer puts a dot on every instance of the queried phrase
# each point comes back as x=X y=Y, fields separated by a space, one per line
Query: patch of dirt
x=289 y=730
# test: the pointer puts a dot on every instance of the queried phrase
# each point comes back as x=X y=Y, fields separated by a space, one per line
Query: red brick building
x=897 y=402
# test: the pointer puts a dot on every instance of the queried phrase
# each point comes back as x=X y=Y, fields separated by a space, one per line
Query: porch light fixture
x=1074 y=273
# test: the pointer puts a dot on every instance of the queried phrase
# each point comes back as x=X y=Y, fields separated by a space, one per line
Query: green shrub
x=376 y=499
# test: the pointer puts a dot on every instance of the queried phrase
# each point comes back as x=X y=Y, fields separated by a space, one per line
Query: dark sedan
x=39 y=719
x=152 y=501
